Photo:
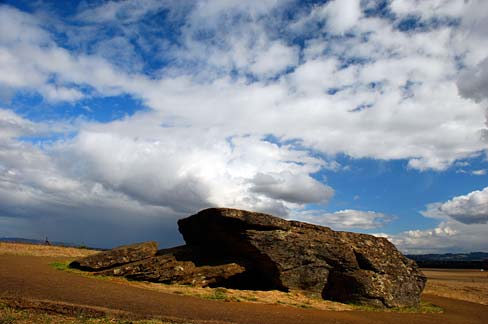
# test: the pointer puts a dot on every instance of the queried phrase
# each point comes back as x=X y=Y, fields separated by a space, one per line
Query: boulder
x=173 y=266
x=116 y=257
x=247 y=250
x=341 y=266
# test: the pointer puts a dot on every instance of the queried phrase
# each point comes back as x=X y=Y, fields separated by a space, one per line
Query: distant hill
x=24 y=240
x=473 y=260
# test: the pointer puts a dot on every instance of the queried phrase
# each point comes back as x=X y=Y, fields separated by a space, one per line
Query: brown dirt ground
x=31 y=278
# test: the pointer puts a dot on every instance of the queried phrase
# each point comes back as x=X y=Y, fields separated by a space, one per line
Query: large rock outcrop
x=342 y=266
x=241 y=249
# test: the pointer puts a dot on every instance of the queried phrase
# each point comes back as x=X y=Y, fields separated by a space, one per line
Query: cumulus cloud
x=126 y=11
x=30 y=59
x=468 y=209
x=473 y=83
x=40 y=196
x=289 y=187
x=337 y=17
x=237 y=74
x=120 y=171
x=346 y=219
x=275 y=59
x=479 y=172
x=166 y=171
x=448 y=236
x=413 y=109
x=341 y=15
x=12 y=125
x=428 y=9
x=463 y=227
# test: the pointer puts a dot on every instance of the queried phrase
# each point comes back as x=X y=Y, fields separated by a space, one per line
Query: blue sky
x=119 y=117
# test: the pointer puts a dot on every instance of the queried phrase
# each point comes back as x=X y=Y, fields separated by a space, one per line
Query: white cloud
x=463 y=228
x=341 y=15
x=289 y=187
x=336 y=17
x=414 y=111
x=125 y=11
x=468 y=209
x=473 y=83
x=31 y=59
x=448 y=236
x=428 y=9
x=163 y=175
x=235 y=77
x=275 y=59
x=479 y=172
x=39 y=195
x=169 y=169
x=345 y=219
x=12 y=125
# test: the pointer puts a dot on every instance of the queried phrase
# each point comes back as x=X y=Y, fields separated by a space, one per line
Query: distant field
x=464 y=284
x=43 y=250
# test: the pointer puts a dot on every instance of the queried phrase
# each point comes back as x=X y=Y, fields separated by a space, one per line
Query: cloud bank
x=243 y=104
x=464 y=226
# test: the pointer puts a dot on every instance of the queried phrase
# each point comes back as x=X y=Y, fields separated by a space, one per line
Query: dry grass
x=468 y=285
x=42 y=250
x=299 y=299
x=10 y=315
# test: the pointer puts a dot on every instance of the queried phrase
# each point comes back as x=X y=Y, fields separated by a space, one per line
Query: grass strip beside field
x=423 y=308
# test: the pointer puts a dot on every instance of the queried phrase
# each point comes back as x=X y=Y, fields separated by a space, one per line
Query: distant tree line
x=453 y=264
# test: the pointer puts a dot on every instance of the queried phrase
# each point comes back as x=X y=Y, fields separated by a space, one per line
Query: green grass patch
x=423 y=308
x=218 y=294
x=64 y=266
x=426 y=307
x=7 y=315
x=249 y=298
x=60 y=265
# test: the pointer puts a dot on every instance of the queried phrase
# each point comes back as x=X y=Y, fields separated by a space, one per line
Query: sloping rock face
x=174 y=266
x=118 y=256
x=143 y=261
x=341 y=266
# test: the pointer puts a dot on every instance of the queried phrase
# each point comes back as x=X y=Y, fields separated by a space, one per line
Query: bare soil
x=29 y=282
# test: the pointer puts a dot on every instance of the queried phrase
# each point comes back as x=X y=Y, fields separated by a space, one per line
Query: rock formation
x=175 y=266
x=247 y=250
x=118 y=256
